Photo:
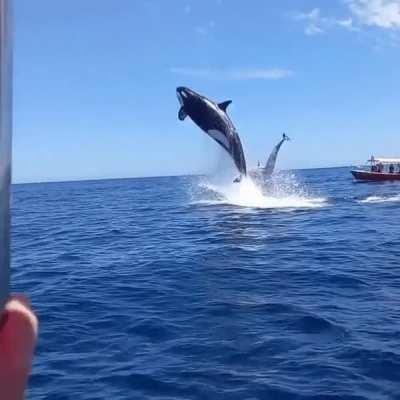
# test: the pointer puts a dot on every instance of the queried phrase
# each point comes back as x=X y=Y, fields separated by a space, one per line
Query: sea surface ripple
x=163 y=288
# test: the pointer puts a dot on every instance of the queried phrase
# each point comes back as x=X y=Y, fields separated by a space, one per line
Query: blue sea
x=194 y=288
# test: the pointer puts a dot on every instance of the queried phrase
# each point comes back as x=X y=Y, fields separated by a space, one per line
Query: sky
x=95 y=80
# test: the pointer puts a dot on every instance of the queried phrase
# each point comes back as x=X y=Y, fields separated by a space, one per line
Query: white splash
x=380 y=199
x=247 y=194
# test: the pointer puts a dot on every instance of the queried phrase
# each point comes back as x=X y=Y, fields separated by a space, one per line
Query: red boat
x=381 y=169
x=375 y=176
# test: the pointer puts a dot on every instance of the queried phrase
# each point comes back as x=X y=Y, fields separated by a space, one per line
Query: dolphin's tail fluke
x=270 y=165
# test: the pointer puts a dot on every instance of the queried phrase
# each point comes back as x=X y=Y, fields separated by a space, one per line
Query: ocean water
x=189 y=288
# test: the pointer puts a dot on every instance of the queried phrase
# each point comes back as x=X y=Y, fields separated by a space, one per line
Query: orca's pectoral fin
x=238 y=179
x=182 y=114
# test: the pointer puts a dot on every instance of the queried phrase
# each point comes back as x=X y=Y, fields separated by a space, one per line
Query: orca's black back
x=203 y=115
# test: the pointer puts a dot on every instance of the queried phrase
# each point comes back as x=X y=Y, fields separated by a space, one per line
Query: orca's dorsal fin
x=224 y=105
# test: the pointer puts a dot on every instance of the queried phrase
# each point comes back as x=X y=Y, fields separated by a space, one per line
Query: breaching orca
x=266 y=172
x=213 y=120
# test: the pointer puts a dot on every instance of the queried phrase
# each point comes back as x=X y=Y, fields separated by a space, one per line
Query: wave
x=380 y=199
x=248 y=194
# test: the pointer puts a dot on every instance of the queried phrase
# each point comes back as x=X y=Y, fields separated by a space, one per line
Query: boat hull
x=375 y=176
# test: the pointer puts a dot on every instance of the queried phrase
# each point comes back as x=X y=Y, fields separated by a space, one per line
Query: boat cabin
x=384 y=165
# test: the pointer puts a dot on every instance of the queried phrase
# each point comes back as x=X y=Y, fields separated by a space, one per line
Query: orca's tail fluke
x=285 y=137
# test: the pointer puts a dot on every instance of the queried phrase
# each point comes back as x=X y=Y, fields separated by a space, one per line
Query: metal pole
x=5 y=146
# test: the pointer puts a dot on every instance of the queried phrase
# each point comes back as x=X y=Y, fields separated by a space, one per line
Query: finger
x=18 y=335
x=22 y=298
x=17 y=342
x=19 y=304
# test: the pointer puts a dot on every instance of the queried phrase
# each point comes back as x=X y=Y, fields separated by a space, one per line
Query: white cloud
x=358 y=16
x=380 y=13
x=317 y=24
x=234 y=74
x=313 y=15
x=312 y=29
x=314 y=21
x=345 y=23
x=260 y=73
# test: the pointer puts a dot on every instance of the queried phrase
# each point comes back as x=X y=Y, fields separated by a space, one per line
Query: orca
x=212 y=118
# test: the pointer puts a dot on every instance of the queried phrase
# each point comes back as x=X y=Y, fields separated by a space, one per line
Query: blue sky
x=95 y=83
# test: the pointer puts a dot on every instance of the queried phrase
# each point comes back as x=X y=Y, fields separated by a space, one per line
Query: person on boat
x=391 y=168
x=18 y=334
x=380 y=167
x=373 y=168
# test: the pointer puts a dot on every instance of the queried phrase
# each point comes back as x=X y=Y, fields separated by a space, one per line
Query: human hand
x=18 y=333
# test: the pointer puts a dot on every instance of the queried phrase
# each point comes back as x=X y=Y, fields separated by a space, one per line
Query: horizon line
x=152 y=176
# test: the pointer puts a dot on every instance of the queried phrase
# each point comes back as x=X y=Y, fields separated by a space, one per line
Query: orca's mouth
x=181 y=96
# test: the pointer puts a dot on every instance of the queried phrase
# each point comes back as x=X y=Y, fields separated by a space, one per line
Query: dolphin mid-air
x=266 y=171
x=212 y=119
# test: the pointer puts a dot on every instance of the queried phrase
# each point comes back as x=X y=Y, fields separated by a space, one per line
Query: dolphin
x=266 y=171
x=212 y=118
